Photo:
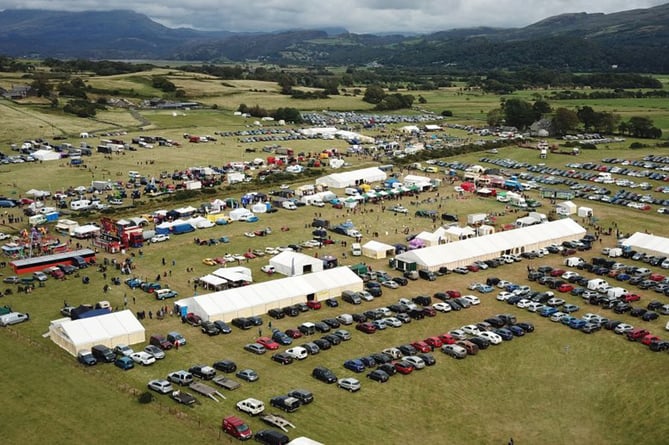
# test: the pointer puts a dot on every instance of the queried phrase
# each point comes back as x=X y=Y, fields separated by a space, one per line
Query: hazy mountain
x=635 y=40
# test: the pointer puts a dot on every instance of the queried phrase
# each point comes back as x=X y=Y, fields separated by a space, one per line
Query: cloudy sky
x=358 y=16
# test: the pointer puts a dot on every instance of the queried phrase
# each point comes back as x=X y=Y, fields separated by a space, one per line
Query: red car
x=249 y=255
x=313 y=304
x=421 y=346
x=403 y=367
x=557 y=272
x=366 y=327
x=429 y=311
x=648 y=339
x=453 y=293
x=628 y=298
x=473 y=268
x=236 y=427
x=565 y=287
x=268 y=343
x=447 y=339
x=656 y=277
x=434 y=342
x=637 y=334
x=293 y=333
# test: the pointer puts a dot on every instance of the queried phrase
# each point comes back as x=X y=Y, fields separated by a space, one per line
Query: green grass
x=555 y=386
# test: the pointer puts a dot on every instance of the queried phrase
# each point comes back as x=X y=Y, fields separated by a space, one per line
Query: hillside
x=634 y=40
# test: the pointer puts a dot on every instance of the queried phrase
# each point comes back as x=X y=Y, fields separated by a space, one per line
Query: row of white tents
x=647 y=243
x=464 y=252
x=259 y=298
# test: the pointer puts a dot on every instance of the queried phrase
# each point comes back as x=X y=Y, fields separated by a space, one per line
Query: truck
x=356 y=249
x=183 y=397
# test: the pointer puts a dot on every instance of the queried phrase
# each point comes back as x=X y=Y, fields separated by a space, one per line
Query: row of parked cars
x=406 y=358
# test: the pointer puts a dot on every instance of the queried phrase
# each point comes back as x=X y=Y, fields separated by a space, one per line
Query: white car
x=4 y=236
x=623 y=328
x=143 y=358
x=161 y=385
x=268 y=269
x=393 y=352
x=474 y=300
x=298 y=353
x=271 y=250
x=390 y=284
x=503 y=284
x=393 y=322
x=123 y=350
x=416 y=361
x=442 y=307
x=458 y=334
x=568 y=274
x=534 y=306
x=349 y=383
x=366 y=295
x=471 y=329
x=399 y=209
x=523 y=304
x=159 y=238
x=555 y=302
x=503 y=296
x=558 y=316
x=495 y=339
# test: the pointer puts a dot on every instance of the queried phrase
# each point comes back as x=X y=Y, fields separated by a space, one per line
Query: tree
x=541 y=107
x=374 y=94
x=518 y=113
x=495 y=117
x=606 y=122
x=642 y=127
x=588 y=116
x=564 y=121
x=41 y=86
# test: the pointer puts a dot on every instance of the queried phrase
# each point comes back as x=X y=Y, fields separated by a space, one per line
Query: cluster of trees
x=82 y=107
x=73 y=88
x=286 y=113
x=100 y=68
x=163 y=84
x=613 y=94
x=375 y=94
x=521 y=114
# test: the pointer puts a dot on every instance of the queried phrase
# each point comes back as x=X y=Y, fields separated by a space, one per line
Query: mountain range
x=635 y=40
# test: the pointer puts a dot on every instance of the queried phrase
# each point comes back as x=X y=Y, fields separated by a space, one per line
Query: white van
x=13 y=318
x=356 y=249
x=81 y=204
x=350 y=191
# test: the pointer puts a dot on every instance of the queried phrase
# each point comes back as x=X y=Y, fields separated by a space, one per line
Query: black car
x=334 y=340
x=331 y=302
x=283 y=358
x=323 y=344
x=527 y=327
x=209 y=328
x=271 y=437
x=303 y=395
x=227 y=366
x=658 y=345
x=378 y=375
x=388 y=368
x=242 y=323
x=322 y=327
x=423 y=300
x=481 y=342
x=276 y=314
x=291 y=311
x=288 y=404
x=654 y=305
x=368 y=361
x=312 y=348
x=359 y=318
x=256 y=320
x=650 y=315
x=332 y=322
x=427 y=358
x=202 y=371
x=324 y=375
x=638 y=311
x=416 y=314
x=222 y=327
x=381 y=358
x=407 y=350
x=401 y=281
x=495 y=322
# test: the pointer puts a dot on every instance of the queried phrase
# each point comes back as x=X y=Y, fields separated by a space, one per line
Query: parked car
x=349 y=383
x=324 y=375
x=248 y=375
x=161 y=386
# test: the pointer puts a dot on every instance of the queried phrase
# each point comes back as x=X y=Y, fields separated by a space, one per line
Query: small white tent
x=291 y=263
x=109 y=330
x=377 y=250
x=566 y=208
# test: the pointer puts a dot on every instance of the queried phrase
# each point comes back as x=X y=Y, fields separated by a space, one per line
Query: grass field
x=555 y=386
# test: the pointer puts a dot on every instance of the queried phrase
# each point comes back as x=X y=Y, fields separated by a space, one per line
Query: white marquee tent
x=291 y=263
x=464 y=252
x=651 y=244
x=109 y=330
x=348 y=179
x=257 y=299
x=377 y=250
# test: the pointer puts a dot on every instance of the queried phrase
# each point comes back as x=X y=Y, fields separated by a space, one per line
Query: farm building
x=259 y=298
x=650 y=244
x=352 y=178
x=291 y=263
x=464 y=252
x=377 y=250
x=110 y=330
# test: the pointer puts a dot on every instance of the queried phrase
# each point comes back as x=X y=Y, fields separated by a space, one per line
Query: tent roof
x=213 y=280
x=100 y=328
x=347 y=179
x=377 y=246
x=645 y=241
x=493 y=243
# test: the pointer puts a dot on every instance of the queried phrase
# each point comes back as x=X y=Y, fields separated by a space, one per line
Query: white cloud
x=360 y=16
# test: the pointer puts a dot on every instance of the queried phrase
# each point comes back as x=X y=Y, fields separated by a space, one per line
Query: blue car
x=504 y=333
x=484 y=288
x=577 y=323
x=567 y=319
x=547 y=311
x=354 y=365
